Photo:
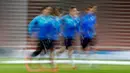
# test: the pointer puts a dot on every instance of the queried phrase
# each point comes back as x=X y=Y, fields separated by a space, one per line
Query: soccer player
x=41 y=27
x=88 y=28
x=55 y=31
x=70 y=29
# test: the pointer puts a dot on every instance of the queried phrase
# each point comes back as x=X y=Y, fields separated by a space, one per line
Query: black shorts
x=43 y=45
x=46 y=44
x=85 y=42
x=68 y=42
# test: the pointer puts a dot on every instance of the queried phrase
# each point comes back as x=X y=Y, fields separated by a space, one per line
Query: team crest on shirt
x=92 y=18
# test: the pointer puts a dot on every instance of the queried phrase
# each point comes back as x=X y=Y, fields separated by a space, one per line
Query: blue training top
x=88 y=25
x=55 y=31
x=71 y=26
x=42 y=25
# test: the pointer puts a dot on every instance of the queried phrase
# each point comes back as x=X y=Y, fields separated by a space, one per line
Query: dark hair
x=90 y=6
x=72 y=7
x=57 y=11
x=44 y=7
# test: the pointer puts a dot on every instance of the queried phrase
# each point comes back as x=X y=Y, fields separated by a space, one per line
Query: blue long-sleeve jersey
x=88 y=25
x=55 y=31
x=71 y=26
x=44 y=27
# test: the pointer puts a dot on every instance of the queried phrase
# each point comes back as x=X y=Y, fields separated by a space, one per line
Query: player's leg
x=34 y=54
x=84 y=44
x=68 y=43
x=93 y=42
x=62 y=48
x=38 y=50
x=51 y=47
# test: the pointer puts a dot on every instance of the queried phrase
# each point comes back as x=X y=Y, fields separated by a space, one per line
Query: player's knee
x=37 y=52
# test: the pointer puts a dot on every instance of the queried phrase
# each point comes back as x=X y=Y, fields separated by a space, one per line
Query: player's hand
x=60 y=34
x=34 y=35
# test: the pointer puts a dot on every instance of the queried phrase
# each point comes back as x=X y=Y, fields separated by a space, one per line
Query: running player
x=70 y=28
x=88 y=28
x=39 y=28
x=55 y=31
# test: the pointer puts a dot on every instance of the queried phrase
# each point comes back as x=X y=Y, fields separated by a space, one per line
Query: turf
x=6 y=68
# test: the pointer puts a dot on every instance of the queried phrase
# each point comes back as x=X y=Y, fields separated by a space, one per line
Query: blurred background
x=113 y=32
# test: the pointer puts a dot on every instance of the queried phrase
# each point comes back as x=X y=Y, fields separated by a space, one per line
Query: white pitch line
x=68 y=61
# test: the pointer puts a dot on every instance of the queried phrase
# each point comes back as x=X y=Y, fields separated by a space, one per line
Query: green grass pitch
x=20 y=68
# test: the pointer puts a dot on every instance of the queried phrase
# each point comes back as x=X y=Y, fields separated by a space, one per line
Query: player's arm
x=57 y=24
x=32 y=26
x=96 y=25
x=60 y=27
x=79 y=25
x=62 y=21
x=95 y=21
